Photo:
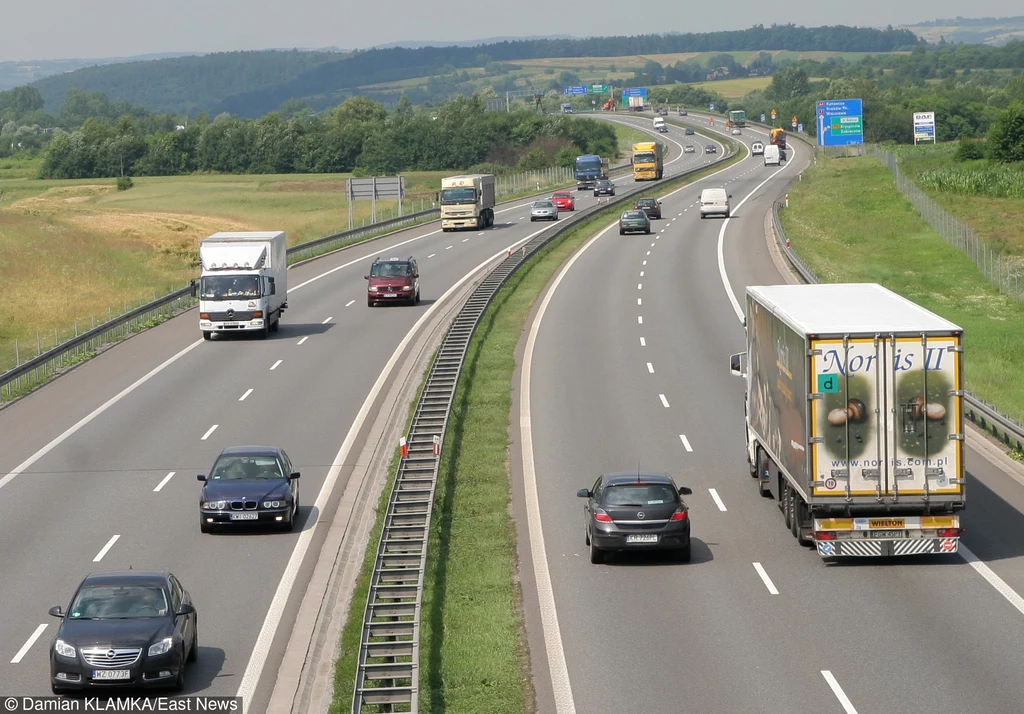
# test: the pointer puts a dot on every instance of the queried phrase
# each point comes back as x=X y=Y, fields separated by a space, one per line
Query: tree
x=1006 y=137
x=788 y=83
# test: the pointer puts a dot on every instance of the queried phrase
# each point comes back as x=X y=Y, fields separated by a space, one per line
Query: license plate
x=888 y=534
x=111 y=674
x=886 y=523
x=642 y=538
x=250 y=516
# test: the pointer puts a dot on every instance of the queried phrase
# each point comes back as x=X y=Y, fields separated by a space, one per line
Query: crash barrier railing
x=985 y=415
x=387 y=675
x=44 y=365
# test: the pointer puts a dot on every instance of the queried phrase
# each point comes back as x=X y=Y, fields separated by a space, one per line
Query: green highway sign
x=847 y=126
x=597 y=88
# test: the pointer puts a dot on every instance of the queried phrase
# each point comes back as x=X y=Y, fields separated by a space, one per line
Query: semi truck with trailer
x=648 y=162
x=588 y=170
x=243 y=286
x=855 y=417
x=467 y=202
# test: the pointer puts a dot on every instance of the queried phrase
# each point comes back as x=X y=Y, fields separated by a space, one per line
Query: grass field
x=16 y=168
x=850 y=224
x=627 y=137
x=473 y=656
x=736 y=88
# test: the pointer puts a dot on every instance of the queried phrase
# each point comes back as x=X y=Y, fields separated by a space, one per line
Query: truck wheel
x=800 y=517
x=276 y=324
x=207 y=335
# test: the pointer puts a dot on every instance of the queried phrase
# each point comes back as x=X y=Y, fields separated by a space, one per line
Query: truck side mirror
x=736 y=366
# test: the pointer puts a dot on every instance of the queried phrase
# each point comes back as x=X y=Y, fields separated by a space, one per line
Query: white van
x=659 y=124
x=714 y=201
x=771 y=155
x=757 y=148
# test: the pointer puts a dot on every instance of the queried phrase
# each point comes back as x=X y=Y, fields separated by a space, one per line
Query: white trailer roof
x=243 y=236
x=845 y=308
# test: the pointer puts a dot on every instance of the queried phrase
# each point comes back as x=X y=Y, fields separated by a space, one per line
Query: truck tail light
x=824 y=535
x=949 y=533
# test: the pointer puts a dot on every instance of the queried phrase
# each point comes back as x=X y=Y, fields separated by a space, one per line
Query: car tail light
x=949 y=532
x=601 y=516
x=824 y=535
x=679 y=515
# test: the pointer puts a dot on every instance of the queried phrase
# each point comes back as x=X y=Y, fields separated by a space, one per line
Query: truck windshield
x=458 y=195
x=592 y=164
x=643 y=157
x=229 y=287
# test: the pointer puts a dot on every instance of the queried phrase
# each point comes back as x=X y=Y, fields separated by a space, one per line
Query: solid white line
x=208 y=432
x=20 y=468
x=247 y=393
x=663 y=400
x=329 y=318
x=639 y=319
x=765 y=579
x=104 y=549
x=686 y=442
x=276 y=364
x=267 y=632
x=994 y=580
x=432 y=255
x=28 y=645
x=302 y=340
x=643 y=342
x=838 y=691
x=163 y=482
x=639 y=301
x=650 y=368
x=718 y=499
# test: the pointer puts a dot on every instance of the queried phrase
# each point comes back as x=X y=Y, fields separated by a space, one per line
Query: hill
x=19 y=72
x=251 y=84
x=970 y=30
x=416 y=44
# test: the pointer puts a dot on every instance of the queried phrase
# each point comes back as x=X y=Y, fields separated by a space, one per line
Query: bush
x=969 y=150
x=124 y=183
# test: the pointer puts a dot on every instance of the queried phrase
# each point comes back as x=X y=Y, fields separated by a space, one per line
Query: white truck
x=659 y=125
x=467 y=202
x=244 y=282
x=772 y=155
x=854 y=417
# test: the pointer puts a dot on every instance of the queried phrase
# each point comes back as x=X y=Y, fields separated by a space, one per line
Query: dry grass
x=736 y=88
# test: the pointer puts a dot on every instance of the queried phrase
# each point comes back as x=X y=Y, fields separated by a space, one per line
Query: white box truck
x=659 y=125
x=467 y=202
x=854 y=417
x=244 y=282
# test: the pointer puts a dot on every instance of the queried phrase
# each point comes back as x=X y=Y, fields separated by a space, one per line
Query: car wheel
x=369 y=302
x=648 y=231
x=193 y=653
x=417 y=296
x=532 y=219
x=207 y=335
x=683 y=554
x=204 y=527
x=622 y=232
x=727 y=214
x=586 y=536
x=596 y=554
x=179 y=683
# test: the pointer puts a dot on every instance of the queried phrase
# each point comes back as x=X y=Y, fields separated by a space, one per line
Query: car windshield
x=639 y=495
x=604 y=184
x=230 y=468
x=458 y=195
x=106 y=602
x=229 y=287
x=391 y=270
x=543 y=204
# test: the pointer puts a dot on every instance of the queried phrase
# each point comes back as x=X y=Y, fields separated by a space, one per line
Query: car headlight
x=215 y=505
x=64 y=649
x=161 y=647
x=407 y=287
x=369 y=288
x=275 y=504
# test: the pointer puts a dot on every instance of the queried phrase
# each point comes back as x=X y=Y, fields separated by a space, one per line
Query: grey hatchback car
x=634 y=221
x=627 y=511
x=544 y=211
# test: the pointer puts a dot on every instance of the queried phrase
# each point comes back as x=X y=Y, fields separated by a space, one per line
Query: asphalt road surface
x=97 y=469
x=629 y=370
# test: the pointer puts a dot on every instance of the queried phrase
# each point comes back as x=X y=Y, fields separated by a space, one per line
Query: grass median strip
x=849 y=223
x=472 y=649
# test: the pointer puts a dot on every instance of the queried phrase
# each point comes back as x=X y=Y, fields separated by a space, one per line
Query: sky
x=59 y=29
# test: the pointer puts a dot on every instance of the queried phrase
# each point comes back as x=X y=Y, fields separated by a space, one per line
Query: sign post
x=924 y=127
x=794 y=122
x=840 y=122
x=404 y=447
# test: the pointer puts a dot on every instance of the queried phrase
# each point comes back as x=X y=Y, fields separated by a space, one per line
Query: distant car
x=688 y=131
x=682 y=112
x=393 y=280
x=710 y=149
x=633 y=511
x=543 y=211
x=688 y=149
x=250 y=485
x=736 y=132
x=604 y=187
x=124 y=628
x=635 y=221
x=564 y=200
x=650 y=206
x=757 y=148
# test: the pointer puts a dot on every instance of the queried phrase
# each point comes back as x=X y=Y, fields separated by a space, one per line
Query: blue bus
x=589 y=169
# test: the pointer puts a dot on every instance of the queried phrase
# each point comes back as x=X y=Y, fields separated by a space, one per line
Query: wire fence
x=1004 y=272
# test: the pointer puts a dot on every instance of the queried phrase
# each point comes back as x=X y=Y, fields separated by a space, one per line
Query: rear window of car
x=561 y=195
x=639 y=495
x=633 y=214
x=645 y=202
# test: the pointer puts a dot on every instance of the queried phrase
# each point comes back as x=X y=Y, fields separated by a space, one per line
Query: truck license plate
x=888 y=534
x=111 y=674
x=642 y=538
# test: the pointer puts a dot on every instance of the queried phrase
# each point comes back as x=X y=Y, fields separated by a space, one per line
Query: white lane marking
x=765 y=579
x=208 y=432
x=663 y=400
x=104 y=549
x=838 y=691
x=432 y=255
x=163 y=482
x=20 y=468
x=652 y=245
x=642 y=272
x=247 y=393
x=643 y=342
x=639 y=301
x=645 y=262
x=479 y=234
x=648 y=252
x=329 y=318
x=994 y=580
x=674 y=218
x=302 y=340
x=28 y=645
x=276 y=364
x=686 y=442
x=718 y=499
x=639 y=319
x=639 y=286
x=350 y=303
x=448 y=248
x=466 y=240
x=268 y=630
x=650 y=368
x=522 y=217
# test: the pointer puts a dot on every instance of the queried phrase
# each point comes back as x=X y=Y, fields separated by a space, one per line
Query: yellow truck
x=648 y=164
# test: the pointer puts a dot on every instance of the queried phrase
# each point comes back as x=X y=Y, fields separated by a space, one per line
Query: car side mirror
x=736 y=366
x=366 y=277
x=730 y=195
x=200 y=477
x=685 y=491
x=56 y=611
x=185 y=609
x=293 y=476
x=583 y=493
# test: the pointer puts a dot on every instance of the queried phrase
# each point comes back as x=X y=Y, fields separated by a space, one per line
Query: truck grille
x=237 y=316
x=110 y=657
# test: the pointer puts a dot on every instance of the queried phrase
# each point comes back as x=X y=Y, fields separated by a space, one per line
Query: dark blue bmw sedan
x=249 y=484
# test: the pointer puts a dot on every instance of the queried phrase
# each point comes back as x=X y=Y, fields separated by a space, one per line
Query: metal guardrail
x=387 y=673
x=985 y=415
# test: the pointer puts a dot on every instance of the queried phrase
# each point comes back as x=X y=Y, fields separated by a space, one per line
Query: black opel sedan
x=253 y=485
x=636 y=511
x=124 y=628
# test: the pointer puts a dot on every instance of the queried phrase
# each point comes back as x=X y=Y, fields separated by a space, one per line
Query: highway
x=97 y=468
x=626 y=367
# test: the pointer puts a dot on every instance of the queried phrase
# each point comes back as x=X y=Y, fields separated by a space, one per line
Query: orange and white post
x=404 y=447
